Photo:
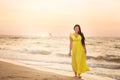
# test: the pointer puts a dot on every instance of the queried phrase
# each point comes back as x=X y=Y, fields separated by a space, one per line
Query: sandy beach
x=11 y=71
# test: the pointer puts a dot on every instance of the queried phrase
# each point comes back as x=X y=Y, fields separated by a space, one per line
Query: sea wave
x=110 y=58
x=42 y=52
x=117 y=46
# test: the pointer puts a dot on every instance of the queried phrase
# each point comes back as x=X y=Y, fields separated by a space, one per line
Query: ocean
x=103 y=53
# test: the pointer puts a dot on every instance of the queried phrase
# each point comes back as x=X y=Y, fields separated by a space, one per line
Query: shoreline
x=17 y=71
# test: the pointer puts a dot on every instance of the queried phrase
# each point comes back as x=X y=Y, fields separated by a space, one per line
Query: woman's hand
x=69 y=54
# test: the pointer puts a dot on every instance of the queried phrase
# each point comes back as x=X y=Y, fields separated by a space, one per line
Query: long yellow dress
x=78 y=55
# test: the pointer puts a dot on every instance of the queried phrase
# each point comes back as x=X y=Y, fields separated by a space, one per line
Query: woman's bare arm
x=70 y=46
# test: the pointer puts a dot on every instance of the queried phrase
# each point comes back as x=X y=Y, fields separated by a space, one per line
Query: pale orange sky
x=35 y=17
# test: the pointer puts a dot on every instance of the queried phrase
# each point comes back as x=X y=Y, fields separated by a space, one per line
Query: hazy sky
x=36 y=17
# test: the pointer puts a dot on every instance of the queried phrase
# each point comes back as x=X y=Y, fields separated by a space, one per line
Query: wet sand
x=11 y=71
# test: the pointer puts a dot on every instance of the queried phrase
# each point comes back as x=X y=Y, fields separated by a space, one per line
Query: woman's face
x=76 y=29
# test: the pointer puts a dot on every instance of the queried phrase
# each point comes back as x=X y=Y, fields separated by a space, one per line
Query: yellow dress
x=78 y=55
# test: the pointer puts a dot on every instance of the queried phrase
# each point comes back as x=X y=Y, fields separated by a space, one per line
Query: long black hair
x=80 y=33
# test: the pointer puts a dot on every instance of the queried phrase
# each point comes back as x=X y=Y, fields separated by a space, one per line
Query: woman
x=77 y=46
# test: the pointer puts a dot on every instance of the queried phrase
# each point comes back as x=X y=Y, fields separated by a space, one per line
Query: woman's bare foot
x=75 y=74
x=79 y=76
